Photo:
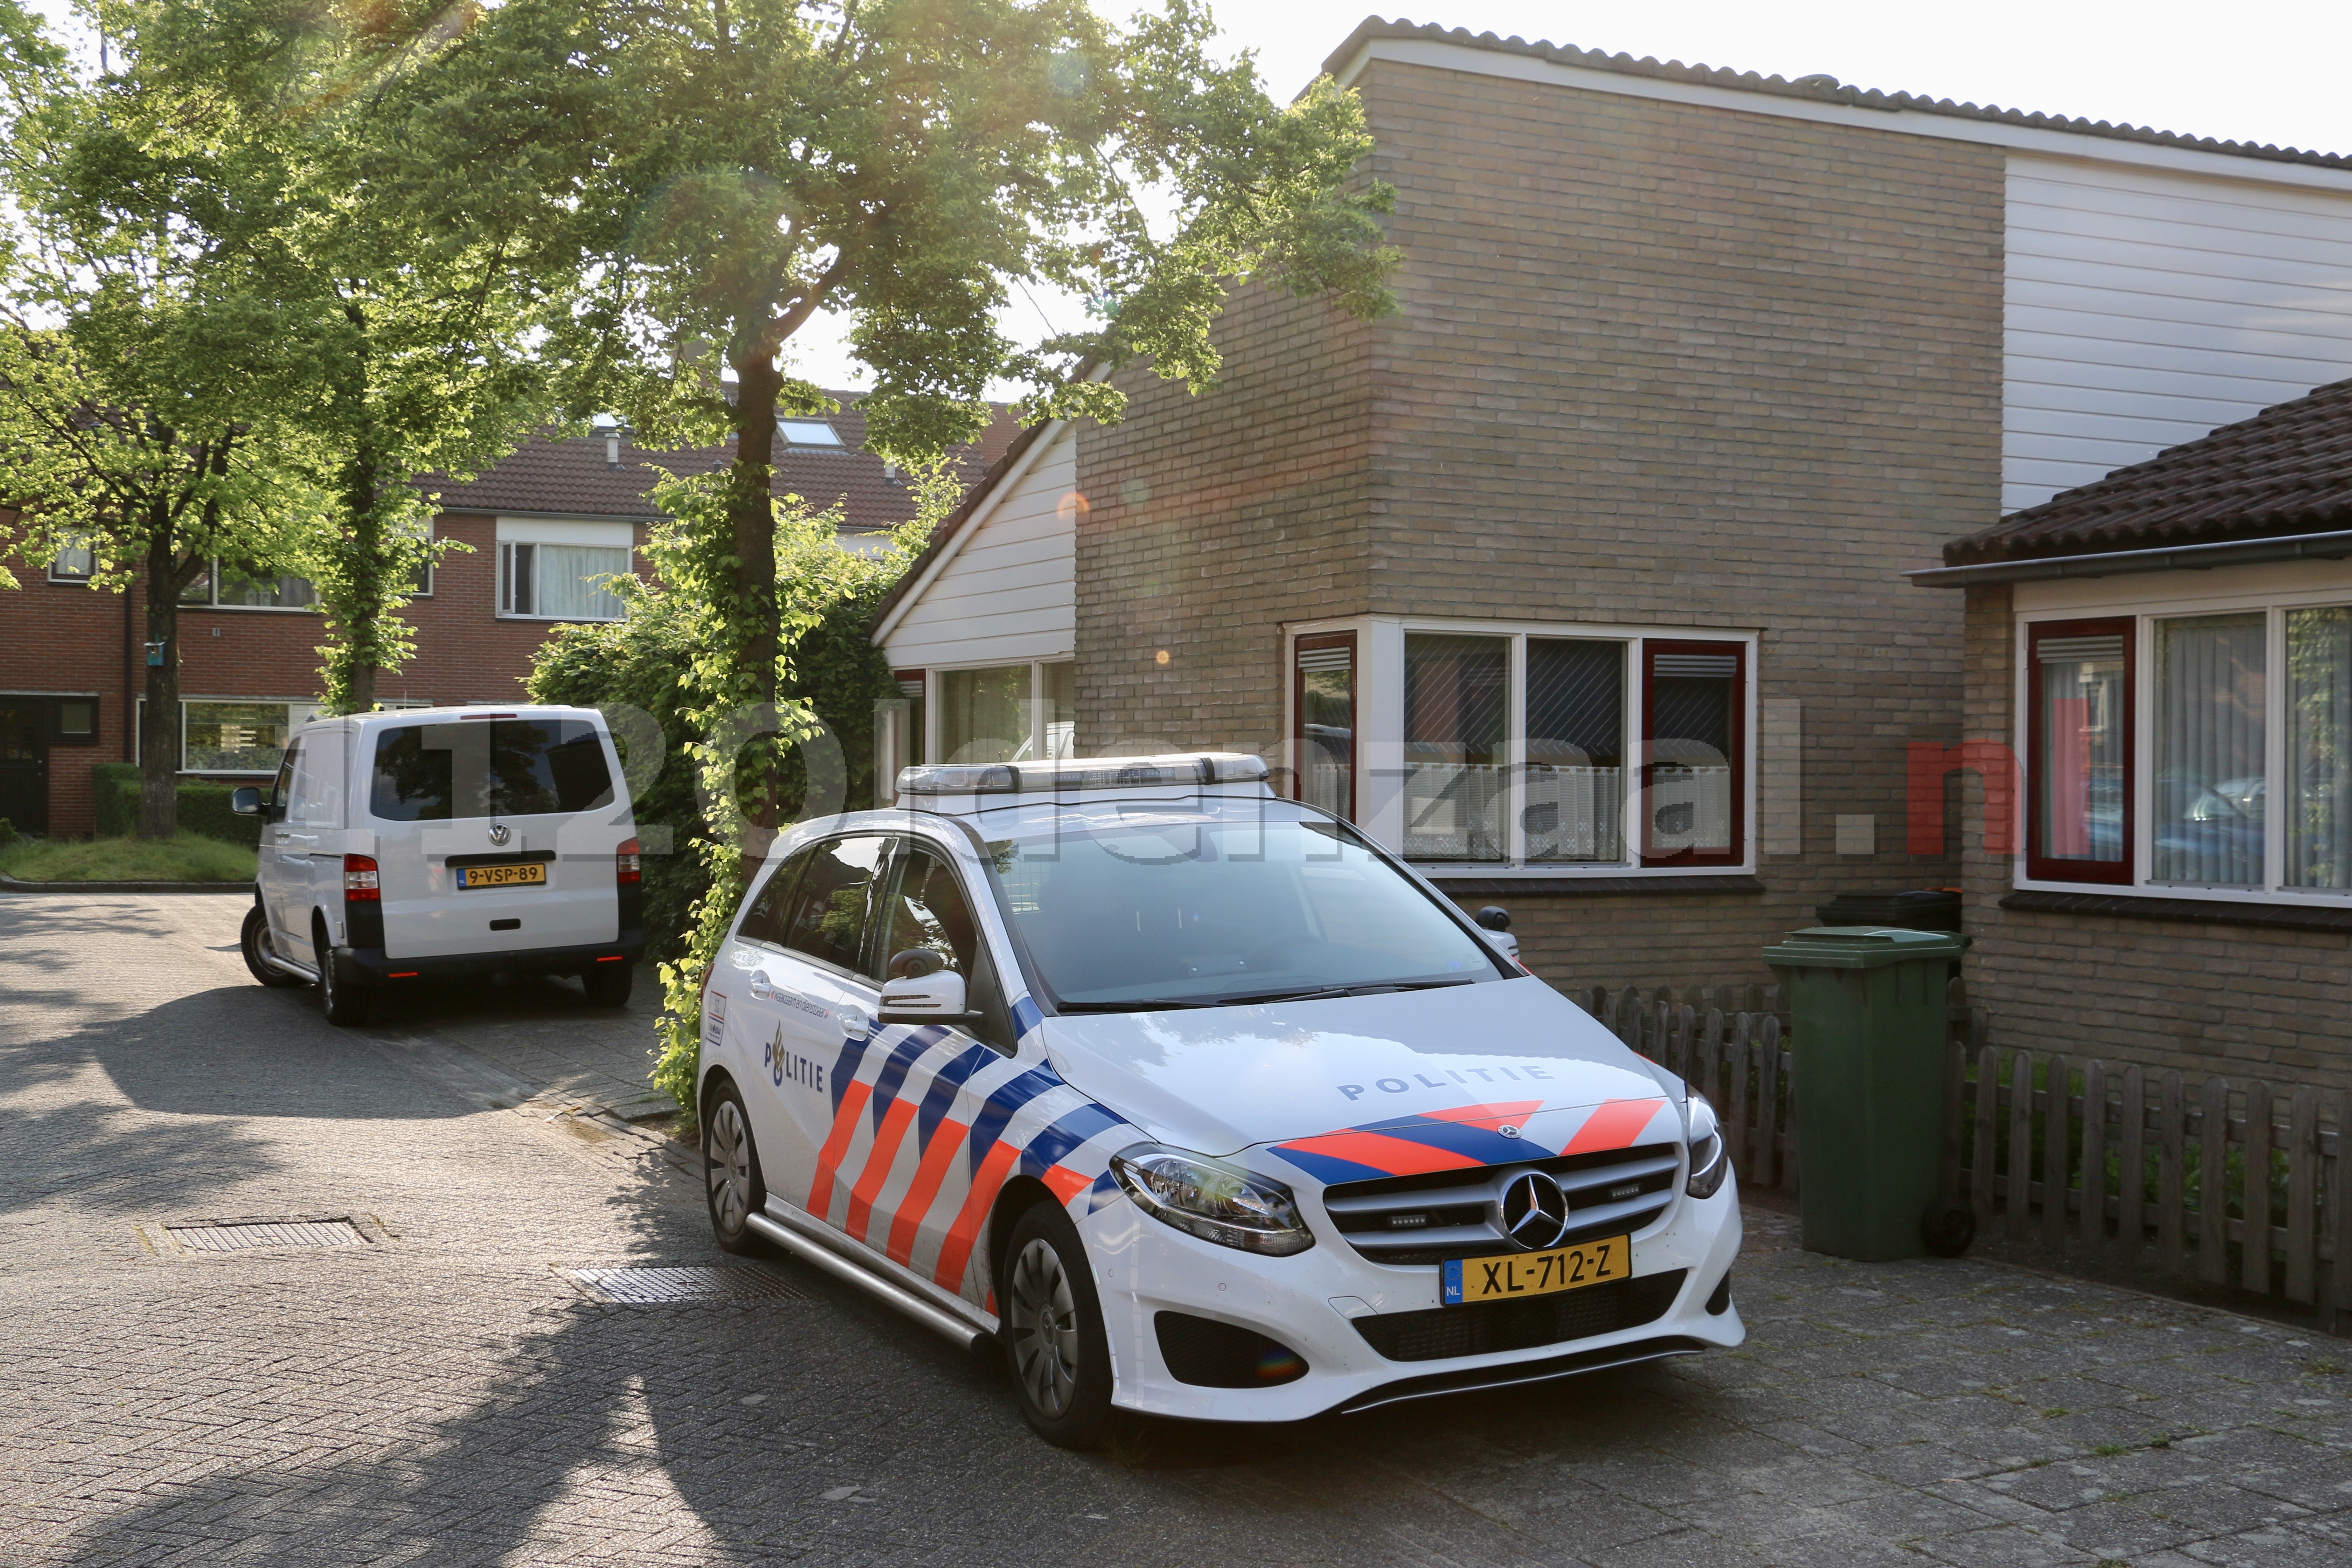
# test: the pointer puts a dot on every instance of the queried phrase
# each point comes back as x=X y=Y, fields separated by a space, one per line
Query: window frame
x=2039 y=865
x=1379 y=719
x=1648 y=651
x=1314 y=642
x=72 y=579
x=211 y=579
x=300 y=711
x=2142 y=602
x=579 y=533
x=930 y=674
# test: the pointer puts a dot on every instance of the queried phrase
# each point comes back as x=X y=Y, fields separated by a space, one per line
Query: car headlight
x=1213 y=1200
x=1709 y=1161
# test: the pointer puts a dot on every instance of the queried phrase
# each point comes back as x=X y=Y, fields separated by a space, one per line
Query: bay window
x=2220 y=772
x=1529 y=748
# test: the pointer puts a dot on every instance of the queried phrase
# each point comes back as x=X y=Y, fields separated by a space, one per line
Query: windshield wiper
x=1313 y=993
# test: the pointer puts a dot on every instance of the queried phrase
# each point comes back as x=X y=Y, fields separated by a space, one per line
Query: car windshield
x=1146 y=904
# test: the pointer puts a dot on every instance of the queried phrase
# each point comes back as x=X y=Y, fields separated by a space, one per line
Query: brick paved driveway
x=443 y=1392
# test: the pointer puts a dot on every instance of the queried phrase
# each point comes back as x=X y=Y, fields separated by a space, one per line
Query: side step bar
x=289 y=966
x=968 y=1335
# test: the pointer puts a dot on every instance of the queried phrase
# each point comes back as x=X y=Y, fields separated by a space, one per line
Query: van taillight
x=628 y=864
x=359 y=880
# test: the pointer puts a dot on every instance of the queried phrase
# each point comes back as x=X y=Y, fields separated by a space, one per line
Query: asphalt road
x=442 y=1388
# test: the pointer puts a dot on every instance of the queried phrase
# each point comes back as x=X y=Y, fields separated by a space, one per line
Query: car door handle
x=762 y=986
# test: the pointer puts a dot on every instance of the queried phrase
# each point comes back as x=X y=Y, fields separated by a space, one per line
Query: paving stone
x=442 y=1394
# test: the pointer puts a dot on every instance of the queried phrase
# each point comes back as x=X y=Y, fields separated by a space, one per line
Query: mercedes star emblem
x=1535 y=1211
x=500 y=834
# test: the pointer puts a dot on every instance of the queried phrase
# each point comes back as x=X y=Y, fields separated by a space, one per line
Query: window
x=248 y=586
x=831 y=906
x=2218 y=772
x=1323 y=705
x=2079 y=704
x=1576 y=750
x=928 y=910
x=73 y=564
x=540 y=581
x=73 y=720
x=1693 y=709
x=234 y=737
x=1552 y=750
x=1006 y=712
x=763 y=921
x=1456 y=756
x=808 y=433
x=496 y=767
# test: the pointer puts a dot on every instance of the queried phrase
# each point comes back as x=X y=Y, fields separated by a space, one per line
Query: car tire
x=1052 y=1330
x=345 y=1004
x=731 y=1183
x=608 y=984
x=253 y=942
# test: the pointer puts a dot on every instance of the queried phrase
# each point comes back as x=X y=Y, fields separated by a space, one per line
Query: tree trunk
x=364 y=623
x=159 y=726
x=750 y=513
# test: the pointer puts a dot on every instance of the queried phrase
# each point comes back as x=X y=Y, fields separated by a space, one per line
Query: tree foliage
x=713 y=770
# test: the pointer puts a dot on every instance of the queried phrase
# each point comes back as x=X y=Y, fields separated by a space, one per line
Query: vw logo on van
x=500 y=834
x=1535 y=1211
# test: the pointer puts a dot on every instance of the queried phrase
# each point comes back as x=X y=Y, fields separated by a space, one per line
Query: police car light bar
x=1091 y=772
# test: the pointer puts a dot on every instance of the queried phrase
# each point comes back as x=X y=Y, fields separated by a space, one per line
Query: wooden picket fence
x=2042 y=1146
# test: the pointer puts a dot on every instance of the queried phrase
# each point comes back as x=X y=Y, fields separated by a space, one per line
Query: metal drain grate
x=236 y=1235
x=669 y=1286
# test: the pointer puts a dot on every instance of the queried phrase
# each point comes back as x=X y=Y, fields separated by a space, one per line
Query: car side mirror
x=933 y=997
x=246 y=802
x=1496 y=922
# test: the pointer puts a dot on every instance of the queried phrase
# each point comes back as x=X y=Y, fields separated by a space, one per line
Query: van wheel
x=346 y=1006
x=253 y=941
x=1052 y=1330
x=608 y=984
x=730 y=1170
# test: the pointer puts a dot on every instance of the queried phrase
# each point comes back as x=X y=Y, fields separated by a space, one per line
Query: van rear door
x=497 y=834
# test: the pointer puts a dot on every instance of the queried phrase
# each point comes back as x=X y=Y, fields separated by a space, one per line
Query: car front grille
x=1440 y=1215
x=1442 y=1333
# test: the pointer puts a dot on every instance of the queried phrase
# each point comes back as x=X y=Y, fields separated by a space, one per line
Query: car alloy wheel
x=255 y=941
x=730 y=1169
x=1045 y=1328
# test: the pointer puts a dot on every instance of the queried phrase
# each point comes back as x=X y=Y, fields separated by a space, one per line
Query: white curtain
x=571 y=585
x=2208 y=800
x=2318 y=785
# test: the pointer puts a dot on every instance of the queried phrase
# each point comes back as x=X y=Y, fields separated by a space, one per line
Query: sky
x=2271 y=73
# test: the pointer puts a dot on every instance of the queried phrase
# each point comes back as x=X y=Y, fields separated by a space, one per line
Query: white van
x=429 y=842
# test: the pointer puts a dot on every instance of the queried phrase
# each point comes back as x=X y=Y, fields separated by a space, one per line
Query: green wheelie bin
x=1867 y=1010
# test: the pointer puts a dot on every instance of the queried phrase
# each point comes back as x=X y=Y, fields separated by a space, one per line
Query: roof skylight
x=808 y=432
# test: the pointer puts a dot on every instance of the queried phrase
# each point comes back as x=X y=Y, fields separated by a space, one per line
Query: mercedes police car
x=1195 y=1102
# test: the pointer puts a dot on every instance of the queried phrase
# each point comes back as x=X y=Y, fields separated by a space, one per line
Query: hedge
x=204 y=806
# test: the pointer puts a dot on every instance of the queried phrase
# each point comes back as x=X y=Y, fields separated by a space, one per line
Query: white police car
x=1194 y=1101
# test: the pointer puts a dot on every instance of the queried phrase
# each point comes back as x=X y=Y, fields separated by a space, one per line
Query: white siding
x=2144 y=307
x=1010 y=591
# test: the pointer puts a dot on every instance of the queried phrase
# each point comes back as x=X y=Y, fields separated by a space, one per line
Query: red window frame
x=1301 y=754
x=2039 y=865
x=1736 y=854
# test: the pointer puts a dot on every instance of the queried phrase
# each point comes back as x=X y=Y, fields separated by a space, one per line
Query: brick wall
x=1214 y=519
x=2249 y=1002
x=1656 y=364
x=69 y=638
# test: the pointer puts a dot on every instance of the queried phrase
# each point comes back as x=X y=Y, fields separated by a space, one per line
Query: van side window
x=763 y=918
x=281 y=789
x=833 y=903
x=318 y=788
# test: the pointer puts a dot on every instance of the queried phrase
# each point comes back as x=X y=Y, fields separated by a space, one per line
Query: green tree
x=717 y=172
x=374 y=345
x=116 y=435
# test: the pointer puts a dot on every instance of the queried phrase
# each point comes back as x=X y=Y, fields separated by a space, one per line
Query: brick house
x=1578 y=580
x=2167 y=654
x=536 y=528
